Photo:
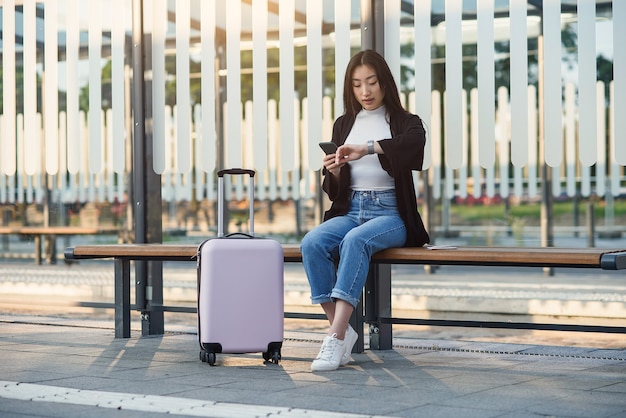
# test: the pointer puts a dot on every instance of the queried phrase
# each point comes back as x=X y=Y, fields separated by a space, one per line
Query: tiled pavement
x=55 y=367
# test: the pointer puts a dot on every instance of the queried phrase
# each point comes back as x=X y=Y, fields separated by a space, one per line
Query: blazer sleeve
x=405 y=151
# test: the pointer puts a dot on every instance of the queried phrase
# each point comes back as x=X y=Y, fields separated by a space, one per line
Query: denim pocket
x=387 y=201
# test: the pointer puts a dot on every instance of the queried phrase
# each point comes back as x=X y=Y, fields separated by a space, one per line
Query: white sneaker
x=330 y=354
x=349 y=341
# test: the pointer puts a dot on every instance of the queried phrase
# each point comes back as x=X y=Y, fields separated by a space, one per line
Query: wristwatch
x=370 y=147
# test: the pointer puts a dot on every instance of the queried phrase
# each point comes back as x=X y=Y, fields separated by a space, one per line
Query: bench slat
x=479 y=256
x=56 y=230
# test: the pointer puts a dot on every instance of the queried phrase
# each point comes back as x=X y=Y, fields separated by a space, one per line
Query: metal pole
x=547 y=238
x=146 y=192
x=367 y=25
x=137 y=188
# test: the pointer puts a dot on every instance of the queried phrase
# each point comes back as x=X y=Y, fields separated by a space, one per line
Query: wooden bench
x=375 y=308
x=49 y=233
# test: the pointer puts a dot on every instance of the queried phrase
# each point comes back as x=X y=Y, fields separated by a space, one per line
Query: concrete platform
x=60 y=367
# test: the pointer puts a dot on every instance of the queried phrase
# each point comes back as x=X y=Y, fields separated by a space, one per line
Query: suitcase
x=240 y=289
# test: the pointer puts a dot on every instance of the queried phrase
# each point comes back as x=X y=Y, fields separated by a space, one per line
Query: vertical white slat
x=121 y=188
x=4 y=179
x=615 y=168
x=423 y=76
x=3 y=188
x=304 y=138
x=343 y=12
x=233 y=83
x=51 y=87
x=199 y=179
x=619 y=79
x=74 y=144
x=490 y=182
x=32 y=160
x=519 y=83
x=37 y=176
x=486 y=83
x=284 y=185
x=474 y=140
x=82 y=172
x=259 y=80
x=91 y=189
x=449 y=183
x=454 y=84
x=588 y=143
x=601 y=163
x=63 y=184
x=570 y=139
x=556 y=180
x=287 y=93
x=297 y=148
x=247 y=138
x=11 y=183
x=416 y=175
x=183 y=99
x=248 y=134
x=159 y=30
x=327 y=118
x=585 y=181
x=503 y=140
x=95 y=86
x=7 y=134
x=518 y=181
x=208 y=137
x=392 y=38
x=437 y=141
x=272 y=131
x=211 y=186
x=462 y=175
x=101 y=177
x=118 y=105
x=109 y=175
x=20 y=173
x=168 y=190
x=552 y=110
x=532 y=141
x=313 y=114
x=260 y=184
x=29 y=189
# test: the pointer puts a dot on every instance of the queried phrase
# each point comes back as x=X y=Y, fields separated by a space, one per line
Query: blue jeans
x=371 y=225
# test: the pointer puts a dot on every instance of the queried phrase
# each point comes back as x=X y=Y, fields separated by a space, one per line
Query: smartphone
x=328 y=147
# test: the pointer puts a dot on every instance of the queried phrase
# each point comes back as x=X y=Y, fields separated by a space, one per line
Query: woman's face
x=366 y=88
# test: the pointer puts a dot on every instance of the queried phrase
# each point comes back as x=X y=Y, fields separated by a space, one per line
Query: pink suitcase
x=240 y=289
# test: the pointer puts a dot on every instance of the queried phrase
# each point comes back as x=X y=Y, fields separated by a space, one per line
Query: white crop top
x=367 y=173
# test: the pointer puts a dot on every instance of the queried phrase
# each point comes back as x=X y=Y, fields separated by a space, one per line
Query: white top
x=367 y=173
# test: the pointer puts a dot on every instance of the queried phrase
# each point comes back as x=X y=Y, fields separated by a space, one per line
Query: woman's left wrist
x=370 y=147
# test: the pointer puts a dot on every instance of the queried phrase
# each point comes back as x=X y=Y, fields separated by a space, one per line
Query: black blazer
x=404 y=152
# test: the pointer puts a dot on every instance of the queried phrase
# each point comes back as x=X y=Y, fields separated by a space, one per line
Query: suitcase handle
x=235 y=171
x=220 y=197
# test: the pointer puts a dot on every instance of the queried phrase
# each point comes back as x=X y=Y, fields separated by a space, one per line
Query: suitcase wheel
x=274 y=356
x=207 y=357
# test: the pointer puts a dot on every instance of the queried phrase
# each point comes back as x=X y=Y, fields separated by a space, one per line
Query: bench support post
x=356 y=321
x=122 y=298
x=377 y=305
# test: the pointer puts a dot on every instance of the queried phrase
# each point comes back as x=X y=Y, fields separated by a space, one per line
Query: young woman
x=370 y=184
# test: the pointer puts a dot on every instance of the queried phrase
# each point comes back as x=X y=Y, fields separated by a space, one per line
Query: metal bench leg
x=37 y=249
x=357 y=321
x=378 y=305
x=122 y=298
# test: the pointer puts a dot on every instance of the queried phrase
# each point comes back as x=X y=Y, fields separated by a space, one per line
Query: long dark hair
x=385 y=79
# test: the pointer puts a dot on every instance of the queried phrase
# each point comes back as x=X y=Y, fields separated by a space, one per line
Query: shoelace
x=328 y=348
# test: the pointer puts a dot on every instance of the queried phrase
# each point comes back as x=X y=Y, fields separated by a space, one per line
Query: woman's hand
x=350 y=152
x=331 y=165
